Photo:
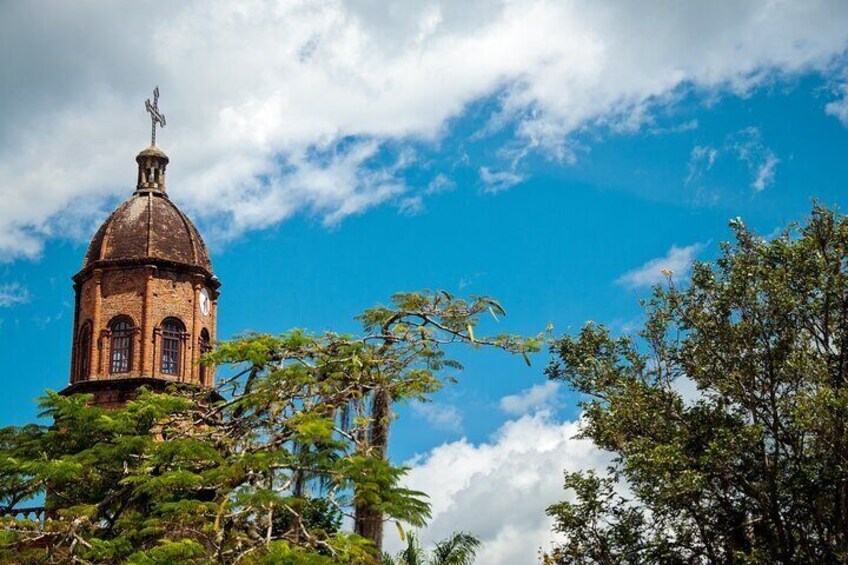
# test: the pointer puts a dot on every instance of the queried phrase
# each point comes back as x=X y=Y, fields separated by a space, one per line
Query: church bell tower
x=146 y=297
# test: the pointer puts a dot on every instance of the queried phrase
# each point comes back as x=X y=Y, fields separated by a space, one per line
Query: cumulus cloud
x=12 y=294
x=276 y=108
x=532 y=399
x=677 y=262
x=440 y=416
x=498 y=490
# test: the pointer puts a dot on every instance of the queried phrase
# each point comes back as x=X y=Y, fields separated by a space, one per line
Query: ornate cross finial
x=155 y=116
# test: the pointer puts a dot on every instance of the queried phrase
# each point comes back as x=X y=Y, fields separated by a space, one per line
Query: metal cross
x=155 y=116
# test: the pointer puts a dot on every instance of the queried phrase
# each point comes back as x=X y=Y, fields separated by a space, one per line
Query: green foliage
x=316 y=514
x=753 y=469
x=399 y=357
x=458 y=549
x=262 y=477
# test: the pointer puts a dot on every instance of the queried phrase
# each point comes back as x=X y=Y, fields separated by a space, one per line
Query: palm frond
x=459 y=549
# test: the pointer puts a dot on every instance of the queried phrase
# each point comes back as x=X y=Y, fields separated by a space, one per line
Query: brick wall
x=147 y=295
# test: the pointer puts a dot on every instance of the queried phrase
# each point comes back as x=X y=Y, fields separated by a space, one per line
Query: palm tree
x=458 y=549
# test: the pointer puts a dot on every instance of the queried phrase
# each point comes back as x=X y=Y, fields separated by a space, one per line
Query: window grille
x=83 y=352
x=205 y=347
x=172 y=330
x=121 y=346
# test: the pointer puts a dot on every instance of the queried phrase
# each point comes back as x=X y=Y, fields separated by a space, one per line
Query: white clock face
x=205 y=302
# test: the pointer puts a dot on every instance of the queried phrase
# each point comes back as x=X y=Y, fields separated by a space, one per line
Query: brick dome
x=148 y=226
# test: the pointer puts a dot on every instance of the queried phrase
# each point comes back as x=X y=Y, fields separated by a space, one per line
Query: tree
x=265 y=476
x=753 y=468
x=403 y=354
x=458 y=549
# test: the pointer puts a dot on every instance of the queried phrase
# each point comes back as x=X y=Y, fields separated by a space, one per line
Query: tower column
x=213 y=339
x=75 y=338
x=94 y=359
x=213 y=312
x=103 y=353
x=147 y=346
x=194 y=368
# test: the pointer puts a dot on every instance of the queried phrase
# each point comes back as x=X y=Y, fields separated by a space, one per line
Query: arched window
x=205 y=347
x=121 y=345
x=83 y=351
x=172 y=334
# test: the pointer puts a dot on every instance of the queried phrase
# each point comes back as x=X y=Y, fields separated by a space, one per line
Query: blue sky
x=561 y=190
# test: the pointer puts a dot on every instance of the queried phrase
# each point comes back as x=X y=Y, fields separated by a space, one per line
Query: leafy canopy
x=753 y=468
x=266 y=476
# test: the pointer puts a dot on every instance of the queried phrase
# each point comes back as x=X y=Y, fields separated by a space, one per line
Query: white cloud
x=748 y=147
x=440 y=183
x=765 y=172
x=529 y=400
x=689 y=125
x=466 y=281
x=280 y=107
x=687 y=389
x=12 y=294
x=677 y=262
x=701 y=159
x=499 y=490
x=839 y=107
x=440 y=416
x=498 y=181
x=411 y=205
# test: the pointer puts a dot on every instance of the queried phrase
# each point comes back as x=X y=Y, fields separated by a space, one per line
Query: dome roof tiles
x=148 y=226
